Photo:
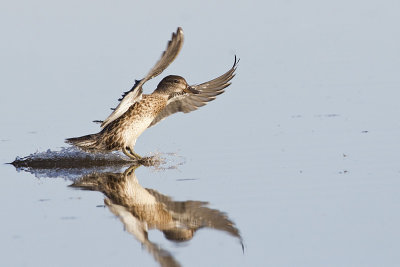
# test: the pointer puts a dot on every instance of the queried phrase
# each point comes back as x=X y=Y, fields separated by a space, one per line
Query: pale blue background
x=283 y=151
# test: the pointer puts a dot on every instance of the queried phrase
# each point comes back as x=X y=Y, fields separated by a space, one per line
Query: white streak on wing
x=132 y=225
x=123 y=106
x=170 y=53
x=175 y=98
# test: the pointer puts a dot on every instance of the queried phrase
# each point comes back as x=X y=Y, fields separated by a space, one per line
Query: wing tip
x=235 y=62
x=177 y=37
x=179 y=31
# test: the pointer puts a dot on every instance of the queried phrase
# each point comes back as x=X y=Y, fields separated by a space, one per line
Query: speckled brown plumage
x=136 y=111
x=141 y=210
x=155 y=209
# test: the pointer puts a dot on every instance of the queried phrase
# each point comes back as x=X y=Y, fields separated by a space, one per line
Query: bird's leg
x=126 y=153
x=134 y=154
x=131 y=169
x=130 y=153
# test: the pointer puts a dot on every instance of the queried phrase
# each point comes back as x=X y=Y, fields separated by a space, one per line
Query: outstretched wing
x=208 y=91
x=196 y=214
x=135 y=94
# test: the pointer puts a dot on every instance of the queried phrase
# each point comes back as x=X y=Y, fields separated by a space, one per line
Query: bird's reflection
x=141 y=209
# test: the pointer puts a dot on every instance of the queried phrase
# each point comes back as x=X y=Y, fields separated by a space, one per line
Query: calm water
x=297 y=161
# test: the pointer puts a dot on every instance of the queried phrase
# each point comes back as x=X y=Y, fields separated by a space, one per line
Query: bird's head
x=179 y=234
x=174 y=86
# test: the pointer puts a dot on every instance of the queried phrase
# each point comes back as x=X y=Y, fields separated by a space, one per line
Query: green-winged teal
x=137 y=111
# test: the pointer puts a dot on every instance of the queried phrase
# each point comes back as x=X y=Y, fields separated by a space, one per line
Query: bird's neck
x=160 y=94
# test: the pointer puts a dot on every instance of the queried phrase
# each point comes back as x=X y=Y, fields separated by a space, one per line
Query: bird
x=137 y=111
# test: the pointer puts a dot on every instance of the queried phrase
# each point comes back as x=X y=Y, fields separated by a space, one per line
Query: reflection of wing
x=139 y=230
x=208 y=92
x=118 y=189
x=195 y=214
x=135 y=94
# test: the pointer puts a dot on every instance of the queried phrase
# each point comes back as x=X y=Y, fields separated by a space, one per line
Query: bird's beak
x=191 y=90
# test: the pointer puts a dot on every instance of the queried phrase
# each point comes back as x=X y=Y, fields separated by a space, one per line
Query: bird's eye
x=176 y=81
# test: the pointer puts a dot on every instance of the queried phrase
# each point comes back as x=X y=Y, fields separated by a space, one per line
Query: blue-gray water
x=301 y=152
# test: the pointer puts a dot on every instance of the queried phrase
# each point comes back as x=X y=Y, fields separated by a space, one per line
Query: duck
x=137 y=112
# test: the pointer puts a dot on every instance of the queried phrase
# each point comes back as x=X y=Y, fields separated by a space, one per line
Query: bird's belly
x=134 y=129
x=138 y=195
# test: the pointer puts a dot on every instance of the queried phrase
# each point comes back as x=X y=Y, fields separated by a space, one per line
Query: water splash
x=170 y=161
x=69 y=157
x=72 y=163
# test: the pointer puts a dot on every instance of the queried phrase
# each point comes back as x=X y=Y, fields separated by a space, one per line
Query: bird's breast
x=140 y=116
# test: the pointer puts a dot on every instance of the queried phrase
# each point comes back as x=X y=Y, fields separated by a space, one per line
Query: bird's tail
x=86 y=142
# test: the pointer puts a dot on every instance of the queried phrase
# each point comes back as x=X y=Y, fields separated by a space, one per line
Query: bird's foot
x=131 y=154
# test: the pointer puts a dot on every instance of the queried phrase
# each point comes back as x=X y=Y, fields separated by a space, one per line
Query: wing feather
x=208 y=91
x=135 y=94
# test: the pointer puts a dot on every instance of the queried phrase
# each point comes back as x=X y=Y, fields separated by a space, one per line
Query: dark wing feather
x=208 y=91
x=135 y=94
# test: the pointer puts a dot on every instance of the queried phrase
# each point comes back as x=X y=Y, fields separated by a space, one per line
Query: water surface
x=300 y=154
